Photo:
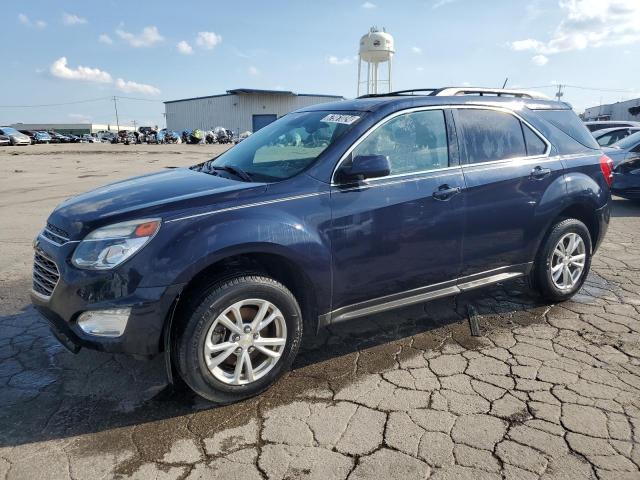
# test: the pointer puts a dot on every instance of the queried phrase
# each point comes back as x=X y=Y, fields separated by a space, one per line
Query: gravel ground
x=548 y=391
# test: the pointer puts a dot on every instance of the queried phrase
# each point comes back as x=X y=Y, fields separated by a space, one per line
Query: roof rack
x=481 y=91
x=400 y=93
x=457 y=91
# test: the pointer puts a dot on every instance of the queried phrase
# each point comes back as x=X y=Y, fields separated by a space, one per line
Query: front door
x=395 y=237
x=508 y=174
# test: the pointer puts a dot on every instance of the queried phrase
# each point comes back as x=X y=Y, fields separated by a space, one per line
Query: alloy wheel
x=245 y=341
x=568 y=261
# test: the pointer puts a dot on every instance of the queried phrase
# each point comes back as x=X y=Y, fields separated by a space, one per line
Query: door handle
x=445 y=192
x=538 y=173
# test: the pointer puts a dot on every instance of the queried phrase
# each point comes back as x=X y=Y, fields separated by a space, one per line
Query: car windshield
x=9 y=130
x=283 y=148
x=629 y=142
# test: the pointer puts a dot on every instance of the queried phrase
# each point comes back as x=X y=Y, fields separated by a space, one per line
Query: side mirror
x=365 y=166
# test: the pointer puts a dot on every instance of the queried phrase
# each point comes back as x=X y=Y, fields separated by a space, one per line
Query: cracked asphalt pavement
x=547 y=391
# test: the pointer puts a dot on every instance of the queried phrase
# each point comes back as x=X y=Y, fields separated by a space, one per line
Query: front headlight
x=109 y=246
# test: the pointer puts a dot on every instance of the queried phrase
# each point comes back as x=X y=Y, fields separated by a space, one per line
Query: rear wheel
x=237 y=338
x=563 y=261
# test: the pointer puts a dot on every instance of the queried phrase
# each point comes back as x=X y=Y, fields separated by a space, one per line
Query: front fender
x=288 y=229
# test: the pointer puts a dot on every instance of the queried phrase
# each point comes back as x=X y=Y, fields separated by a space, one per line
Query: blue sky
x=67 y=51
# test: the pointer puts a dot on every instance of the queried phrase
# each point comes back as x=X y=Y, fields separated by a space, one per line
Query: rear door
x=507 y=170
x=393 y=235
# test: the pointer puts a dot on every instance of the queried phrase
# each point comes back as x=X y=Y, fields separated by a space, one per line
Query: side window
x=490 y=135
x=413 y=142
x=535 y=145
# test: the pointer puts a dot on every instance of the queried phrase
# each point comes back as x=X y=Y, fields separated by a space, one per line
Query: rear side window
x=569 y=123
x=535 y=145
x=490 y=135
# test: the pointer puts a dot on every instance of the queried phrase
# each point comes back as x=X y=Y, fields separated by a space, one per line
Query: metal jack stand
x=474 y=326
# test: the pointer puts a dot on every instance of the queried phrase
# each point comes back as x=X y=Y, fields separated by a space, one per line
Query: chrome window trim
x=391 y=116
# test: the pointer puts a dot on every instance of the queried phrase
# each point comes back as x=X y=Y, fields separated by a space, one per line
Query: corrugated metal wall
x=233 y=111
x=614 y=111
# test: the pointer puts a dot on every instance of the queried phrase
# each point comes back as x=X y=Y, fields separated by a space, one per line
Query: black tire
x=542 y=277
x=200 y=313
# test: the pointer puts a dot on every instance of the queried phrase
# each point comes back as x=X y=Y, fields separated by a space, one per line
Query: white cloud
x=589 y=23
x=70 y=19
x=147 y=38
x=333 y=60
x=417 y=50
x=60 y=69
x=540 y=60
x=80 y=117
x=106 y=39
x=253 y=70
x=208 y=40
x=419 y=69
x=24 y=20
x=128 y=86
x=442 y=3
x=369 y=5
x=184 y=48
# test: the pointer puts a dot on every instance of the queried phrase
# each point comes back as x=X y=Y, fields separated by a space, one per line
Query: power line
x=57 y=104
x=76 y=102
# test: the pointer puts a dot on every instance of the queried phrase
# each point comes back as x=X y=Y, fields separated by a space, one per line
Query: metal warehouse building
x=627 y=110
x=238 y=110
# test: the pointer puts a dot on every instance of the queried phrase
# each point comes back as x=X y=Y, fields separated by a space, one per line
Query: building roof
x=255 y=91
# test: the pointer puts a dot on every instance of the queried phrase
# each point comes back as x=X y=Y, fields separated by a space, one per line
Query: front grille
x=45 y=275
x=55 y=234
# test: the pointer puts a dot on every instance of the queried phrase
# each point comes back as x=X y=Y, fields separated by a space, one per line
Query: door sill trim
x=424 y=294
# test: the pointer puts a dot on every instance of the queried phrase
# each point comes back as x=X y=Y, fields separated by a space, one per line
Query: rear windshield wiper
x=237 y=171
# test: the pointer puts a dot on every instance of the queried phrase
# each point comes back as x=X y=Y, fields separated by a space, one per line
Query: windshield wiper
x=237 y=171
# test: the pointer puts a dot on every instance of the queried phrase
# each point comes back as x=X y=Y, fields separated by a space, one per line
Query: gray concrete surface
x=548 y=391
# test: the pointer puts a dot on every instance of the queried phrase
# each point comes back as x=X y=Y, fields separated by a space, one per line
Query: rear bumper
x=603 y=215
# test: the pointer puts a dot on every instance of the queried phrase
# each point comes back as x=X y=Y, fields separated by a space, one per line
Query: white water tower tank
x=376 y=47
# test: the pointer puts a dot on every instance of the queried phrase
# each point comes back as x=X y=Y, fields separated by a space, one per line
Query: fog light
x=105 y=323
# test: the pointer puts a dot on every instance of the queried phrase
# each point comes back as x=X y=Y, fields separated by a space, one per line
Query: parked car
x=596 y=125
x=608 y=136
x=15 y=136
x=4 y=141
x=59 y=137
x=626 y=173
x=224 y=265
x=43 y=137
x=90 y=138
x=73 y=138
x=31 y=135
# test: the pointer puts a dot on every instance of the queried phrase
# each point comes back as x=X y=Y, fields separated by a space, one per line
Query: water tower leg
x=369 y=78
x=389 y=74
x=359 y=68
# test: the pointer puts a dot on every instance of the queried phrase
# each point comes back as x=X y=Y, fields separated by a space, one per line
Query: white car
x=15 y=136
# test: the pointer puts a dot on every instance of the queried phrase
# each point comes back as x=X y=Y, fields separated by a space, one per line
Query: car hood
x=159 y=194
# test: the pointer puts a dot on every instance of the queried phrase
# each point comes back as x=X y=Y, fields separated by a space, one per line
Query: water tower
x=376 y=47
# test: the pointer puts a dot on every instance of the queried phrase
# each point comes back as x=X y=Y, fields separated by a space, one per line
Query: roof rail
x=481 y=91
x=400 y=92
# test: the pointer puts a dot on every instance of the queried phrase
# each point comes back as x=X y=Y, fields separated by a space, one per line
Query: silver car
x=15 y=136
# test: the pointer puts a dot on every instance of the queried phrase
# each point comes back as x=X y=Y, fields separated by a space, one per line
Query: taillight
x=606 y=165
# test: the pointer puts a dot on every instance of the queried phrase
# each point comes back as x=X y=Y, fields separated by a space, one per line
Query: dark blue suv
x=333 y=212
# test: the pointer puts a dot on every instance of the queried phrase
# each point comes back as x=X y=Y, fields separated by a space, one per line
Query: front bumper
x=78 y=291
x=626 y=185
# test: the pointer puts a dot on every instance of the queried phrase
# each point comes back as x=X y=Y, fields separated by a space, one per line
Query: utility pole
x=559 y=93
x=134 y=124
x=115 y=106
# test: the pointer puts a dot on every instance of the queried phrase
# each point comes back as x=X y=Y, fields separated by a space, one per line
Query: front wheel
x=564 y=260
x=237 y=337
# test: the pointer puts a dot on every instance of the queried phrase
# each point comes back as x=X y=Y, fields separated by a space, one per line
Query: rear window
x=491 y=135
x=535 y=145
x=569 y=123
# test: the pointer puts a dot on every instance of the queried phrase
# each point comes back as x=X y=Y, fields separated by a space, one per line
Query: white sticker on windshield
x=337 y=118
